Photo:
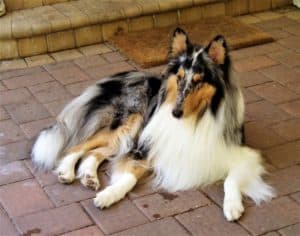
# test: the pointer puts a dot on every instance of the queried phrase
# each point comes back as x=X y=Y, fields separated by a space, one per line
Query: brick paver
x=265 y=112
x=49 y=92
x=54 y=108
x=16 y=73
x=68 y=75
x=66 y=194
x=284 y=155
x=14 y=96
x=167 y=226
x=34 y=202
x=253 y=63
x=31 y=129
x=23 y=197
x=118 y=217
x=90 y=231
x=15 y=151
x=27 y=80
x=289 y=129
x=163 y=204
x=13 y=172
x=257 y=135
x=209 y=221
x=286 y=181
x=287 y=58
x=281 y=73
x=292 y=107
x=3 y=114
x=274 y=92
x=26 y=111
x=77 y=88
x=290 y=230
x=10 y=132
x=6 y=226
x=43 y=177
x=291 y=42
x=296 y=196
x=2 y=87
x=277 y=214
x=90 y=61
x=54 y=221
x=251 y=78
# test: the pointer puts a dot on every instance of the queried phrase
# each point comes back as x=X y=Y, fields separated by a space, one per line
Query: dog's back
x=107 y=104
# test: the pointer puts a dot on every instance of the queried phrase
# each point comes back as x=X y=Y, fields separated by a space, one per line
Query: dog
x=185 y=127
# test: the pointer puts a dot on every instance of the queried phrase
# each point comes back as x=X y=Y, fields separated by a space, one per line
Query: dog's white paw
x=105 y=198
x=233 y=209
x=90 y=180
x=65 y=176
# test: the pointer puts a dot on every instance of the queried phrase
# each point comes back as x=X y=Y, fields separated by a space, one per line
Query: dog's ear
x=217 y=50
x=179 y=42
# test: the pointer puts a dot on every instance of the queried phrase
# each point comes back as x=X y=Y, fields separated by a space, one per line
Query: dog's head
x=195 y=73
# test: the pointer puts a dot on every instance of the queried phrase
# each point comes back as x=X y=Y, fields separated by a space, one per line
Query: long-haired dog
x=185 y=128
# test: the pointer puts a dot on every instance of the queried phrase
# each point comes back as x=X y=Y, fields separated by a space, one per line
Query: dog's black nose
x=177 y=113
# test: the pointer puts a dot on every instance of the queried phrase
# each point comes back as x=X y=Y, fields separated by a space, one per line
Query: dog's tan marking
x=180 y=73
x=96 y=153
x=217 y=52
x=197 y=101
x=139 y=168
x=100 y=139
x=110 y=138
x=197 y=77
x=171 y=89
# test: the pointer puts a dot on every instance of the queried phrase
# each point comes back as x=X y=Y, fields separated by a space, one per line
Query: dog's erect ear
x=217 y=49
x=179 y=42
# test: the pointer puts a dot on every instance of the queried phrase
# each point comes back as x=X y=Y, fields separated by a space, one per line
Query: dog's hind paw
x=65 y=176
x=90 y=181
x=105 y=198
x=233 y=209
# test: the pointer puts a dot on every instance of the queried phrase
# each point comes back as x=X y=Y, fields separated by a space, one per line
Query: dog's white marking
x=187 y=155
x=121 y=184
x=66 y=167
x=48 y=147
x=87 y=172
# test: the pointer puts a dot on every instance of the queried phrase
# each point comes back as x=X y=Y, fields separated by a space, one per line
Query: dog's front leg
x=232 y=206
x=125 y=175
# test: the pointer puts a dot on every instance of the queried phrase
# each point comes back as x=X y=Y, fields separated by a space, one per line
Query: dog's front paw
x=233 y=209
x=105 y=198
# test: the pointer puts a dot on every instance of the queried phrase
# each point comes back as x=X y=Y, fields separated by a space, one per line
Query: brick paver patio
x=33 y=202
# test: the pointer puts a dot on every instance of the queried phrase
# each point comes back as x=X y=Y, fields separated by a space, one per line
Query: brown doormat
x=149 y=48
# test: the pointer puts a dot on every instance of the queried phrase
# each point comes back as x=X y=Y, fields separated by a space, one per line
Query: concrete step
x=72 y=24
x=12 y=5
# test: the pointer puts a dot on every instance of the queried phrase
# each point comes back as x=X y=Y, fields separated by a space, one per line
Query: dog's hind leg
x=66 y=167
x=244 y=177
x=125 y=174
x=119 y=142
x=87 y=171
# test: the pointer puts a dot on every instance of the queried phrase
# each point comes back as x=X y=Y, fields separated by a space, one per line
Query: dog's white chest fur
x=184 y=154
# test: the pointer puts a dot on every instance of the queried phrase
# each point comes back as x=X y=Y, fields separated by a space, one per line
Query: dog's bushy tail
x=71 y=127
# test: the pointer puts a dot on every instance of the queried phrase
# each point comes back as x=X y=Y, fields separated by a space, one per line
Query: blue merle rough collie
x=185 y=127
